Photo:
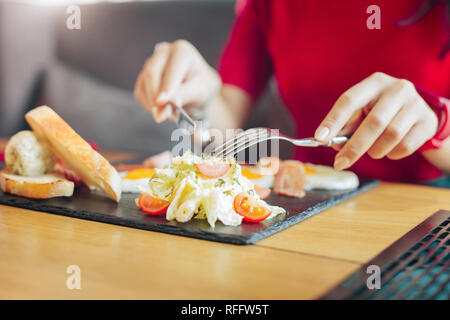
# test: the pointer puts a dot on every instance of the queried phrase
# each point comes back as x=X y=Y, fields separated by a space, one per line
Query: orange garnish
x=309 y=170
x=141 y=173
x=249 y=174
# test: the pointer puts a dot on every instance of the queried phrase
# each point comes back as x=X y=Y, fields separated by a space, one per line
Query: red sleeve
x=441 y=106
x=245 y=62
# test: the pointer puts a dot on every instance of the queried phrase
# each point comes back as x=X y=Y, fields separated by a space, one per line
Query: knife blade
x=183 y=120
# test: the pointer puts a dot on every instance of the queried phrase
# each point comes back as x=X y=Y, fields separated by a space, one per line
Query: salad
x=204 y=188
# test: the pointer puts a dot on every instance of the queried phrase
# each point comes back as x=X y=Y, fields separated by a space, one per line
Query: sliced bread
x=37 y=187
x=75 y=152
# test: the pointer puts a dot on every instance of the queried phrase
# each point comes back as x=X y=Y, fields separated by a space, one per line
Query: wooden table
x=301 y=262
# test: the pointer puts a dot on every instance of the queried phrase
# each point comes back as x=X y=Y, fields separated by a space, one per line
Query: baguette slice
x=37 y=187
x=76 y=153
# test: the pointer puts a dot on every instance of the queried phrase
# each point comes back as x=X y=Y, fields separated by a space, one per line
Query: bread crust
x=34 y=187
x=74 y=151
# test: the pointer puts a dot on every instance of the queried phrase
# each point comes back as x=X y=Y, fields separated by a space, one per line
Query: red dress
x=318 y=49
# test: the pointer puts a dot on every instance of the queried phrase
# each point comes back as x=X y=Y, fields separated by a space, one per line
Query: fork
x=254 y=136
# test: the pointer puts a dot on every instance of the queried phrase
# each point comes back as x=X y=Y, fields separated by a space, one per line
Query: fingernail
x=162 y=113
x=163 y=97
x=157 y=117
x=322 y=133
x=341 y=163
x=166 y=112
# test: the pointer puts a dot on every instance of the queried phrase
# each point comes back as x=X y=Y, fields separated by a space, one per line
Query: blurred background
x=88 y=75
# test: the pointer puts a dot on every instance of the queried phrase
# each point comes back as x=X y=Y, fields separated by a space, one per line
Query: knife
x=183 y=120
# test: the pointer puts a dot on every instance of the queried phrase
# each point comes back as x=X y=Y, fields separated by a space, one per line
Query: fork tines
x=242 y=141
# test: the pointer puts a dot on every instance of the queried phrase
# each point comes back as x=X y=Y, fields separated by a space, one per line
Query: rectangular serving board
x=92 y=205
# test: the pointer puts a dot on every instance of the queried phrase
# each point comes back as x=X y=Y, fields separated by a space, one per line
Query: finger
x=337 y=147
x=395 y=132
x=153 y=69
x=162 y=113
x=175 y=71
x=141 y=95
x=169 y=111
x=357 y=97
x=410 y=143
x=138 y=85
x=189 y=92
x=353 y=124
x=421 y=132
x=349 y=128
x=387 y=106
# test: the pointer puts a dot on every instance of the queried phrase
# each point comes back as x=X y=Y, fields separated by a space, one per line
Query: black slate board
x=94 y=206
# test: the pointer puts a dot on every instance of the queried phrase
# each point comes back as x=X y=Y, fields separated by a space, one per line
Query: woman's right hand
x=175 y=75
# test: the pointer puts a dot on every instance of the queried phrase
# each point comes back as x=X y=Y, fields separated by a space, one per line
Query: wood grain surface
x=301 y=262
x=119 y=262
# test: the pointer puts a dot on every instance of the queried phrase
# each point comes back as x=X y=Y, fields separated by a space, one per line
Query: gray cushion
x=103 y=113
x=26 y=45
x=116 y=38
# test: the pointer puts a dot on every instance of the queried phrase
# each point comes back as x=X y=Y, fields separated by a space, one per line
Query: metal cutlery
x=254 y=136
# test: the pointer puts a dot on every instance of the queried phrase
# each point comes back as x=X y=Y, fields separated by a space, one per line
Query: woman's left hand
x=386 y=116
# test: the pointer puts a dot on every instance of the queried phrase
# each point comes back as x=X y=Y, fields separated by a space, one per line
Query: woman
x=387 y=86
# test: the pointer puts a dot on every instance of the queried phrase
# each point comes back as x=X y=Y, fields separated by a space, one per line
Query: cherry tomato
x=152 y=205
x=262 y=192
x=249 y=208
x=213 y=169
